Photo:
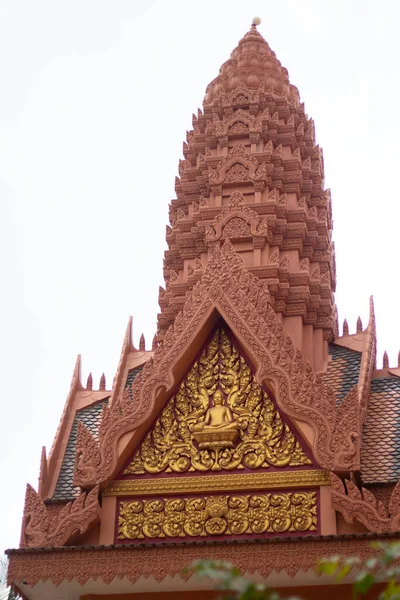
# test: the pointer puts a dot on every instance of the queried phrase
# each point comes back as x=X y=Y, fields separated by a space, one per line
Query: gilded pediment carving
x=219 y=419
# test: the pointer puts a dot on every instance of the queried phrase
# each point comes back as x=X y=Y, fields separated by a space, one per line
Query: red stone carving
x=385 y=361
x=244 y=303
x=159 y=562
x=362 y=505
x=89 y=383
x=40 y=528
x=239 y=167
x=246 y=222
x=345 y=327
x=102 y=385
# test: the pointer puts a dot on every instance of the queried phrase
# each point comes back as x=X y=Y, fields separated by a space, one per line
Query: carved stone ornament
x=239 y=122
x=243 y=302
x=41 y=527
x=140 y=561
x=219 y=419
x=236 y=221
x=226 y=515
x=239 y=167
x=362 y=505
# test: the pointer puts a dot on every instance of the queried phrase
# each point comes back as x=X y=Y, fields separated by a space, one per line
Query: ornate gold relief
x=220 y=418
x=234 y=482
x=217 y=515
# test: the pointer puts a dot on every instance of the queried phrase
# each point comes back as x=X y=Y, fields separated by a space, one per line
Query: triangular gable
x=242 y=300
x=219 y=419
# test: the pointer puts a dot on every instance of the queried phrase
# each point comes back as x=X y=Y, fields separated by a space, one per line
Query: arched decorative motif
x=243 y=302
x=241 y=216
x=239 y=117
x=240 y=166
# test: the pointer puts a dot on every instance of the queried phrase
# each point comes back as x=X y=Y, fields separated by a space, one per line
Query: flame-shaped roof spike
x=385 y=360
x=142 y=343
x=359 y=326
x=89 y=383
x=345 y=327
x=154 y=344
x=102 y=385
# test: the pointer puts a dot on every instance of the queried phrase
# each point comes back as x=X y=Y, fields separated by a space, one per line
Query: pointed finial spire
x=142 y=343
x=89 y=383
x=359 y=326
x=256 y=21
x=385 y=360
x=345 y=327
x=102 y=382
x=154 y=344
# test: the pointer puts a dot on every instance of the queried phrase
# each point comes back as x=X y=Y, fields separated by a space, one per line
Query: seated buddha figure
x=217 y=418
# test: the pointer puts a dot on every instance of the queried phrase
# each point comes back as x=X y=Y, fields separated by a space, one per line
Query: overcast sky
x=95 y=99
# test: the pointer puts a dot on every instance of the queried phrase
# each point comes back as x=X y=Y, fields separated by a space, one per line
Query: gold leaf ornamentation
x=219 y=419
x=217 y=516
x=232 y=482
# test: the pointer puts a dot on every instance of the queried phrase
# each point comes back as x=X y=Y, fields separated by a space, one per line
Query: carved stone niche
x=237 y=222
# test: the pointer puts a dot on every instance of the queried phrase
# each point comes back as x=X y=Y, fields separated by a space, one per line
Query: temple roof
x=380 y=454
x=343 y=370
x=90 y=417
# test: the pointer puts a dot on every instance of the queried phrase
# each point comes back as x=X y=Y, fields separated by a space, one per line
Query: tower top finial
x=256 y=21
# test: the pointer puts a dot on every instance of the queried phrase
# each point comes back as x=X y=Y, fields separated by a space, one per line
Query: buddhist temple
x=252 y=431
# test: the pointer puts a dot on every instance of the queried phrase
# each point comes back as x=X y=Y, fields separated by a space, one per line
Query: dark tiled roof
x=132 y=376
x=343 y=370
x=90 y=417
x=380 y=454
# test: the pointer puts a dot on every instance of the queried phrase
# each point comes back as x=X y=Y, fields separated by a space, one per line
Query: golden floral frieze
x=223 y=515
x=219 y=419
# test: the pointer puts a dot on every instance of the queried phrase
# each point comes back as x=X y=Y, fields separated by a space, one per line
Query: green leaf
x=345 y=570
x=328 y=566
x=363 y=582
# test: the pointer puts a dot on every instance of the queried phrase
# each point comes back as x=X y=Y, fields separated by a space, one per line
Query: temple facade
x=252 y=431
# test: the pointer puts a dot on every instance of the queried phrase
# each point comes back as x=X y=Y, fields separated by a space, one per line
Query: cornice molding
x=217 y=483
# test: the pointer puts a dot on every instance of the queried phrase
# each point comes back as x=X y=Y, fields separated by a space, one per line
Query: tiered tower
x=253 y=173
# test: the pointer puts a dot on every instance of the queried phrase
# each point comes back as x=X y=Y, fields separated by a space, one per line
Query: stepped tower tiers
x=251 y=432
x=252 y=172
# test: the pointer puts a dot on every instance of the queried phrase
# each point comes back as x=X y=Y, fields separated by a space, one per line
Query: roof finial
x=385 y=360
x=256 y=21
x=345 y=327
x=359 y=326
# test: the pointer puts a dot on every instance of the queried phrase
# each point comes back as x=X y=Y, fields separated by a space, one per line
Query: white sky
x=95 y=99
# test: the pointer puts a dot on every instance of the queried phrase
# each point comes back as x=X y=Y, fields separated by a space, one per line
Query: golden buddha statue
x=219 y=427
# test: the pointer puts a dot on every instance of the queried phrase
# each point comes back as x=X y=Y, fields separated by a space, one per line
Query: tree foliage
x=383 y=566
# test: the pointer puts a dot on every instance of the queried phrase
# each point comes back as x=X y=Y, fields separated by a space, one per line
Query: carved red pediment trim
x=42 y=527
x=243 y=302
x=362 y=505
